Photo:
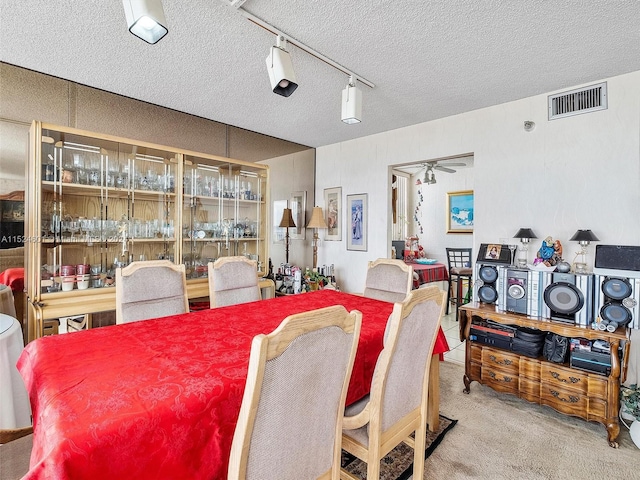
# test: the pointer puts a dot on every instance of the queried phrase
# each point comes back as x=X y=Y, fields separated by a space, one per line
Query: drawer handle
x=504 y=379
x=572 y=398
x=494 y=359
x=571 y=379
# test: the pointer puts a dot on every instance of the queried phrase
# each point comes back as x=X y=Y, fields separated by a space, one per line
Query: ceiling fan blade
x=444 y=169
x=457 y=164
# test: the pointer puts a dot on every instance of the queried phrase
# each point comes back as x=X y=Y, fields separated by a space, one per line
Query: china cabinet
x=96 y=202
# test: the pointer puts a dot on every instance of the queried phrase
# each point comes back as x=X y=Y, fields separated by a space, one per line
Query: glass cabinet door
x=103 y=204
x=223 y=213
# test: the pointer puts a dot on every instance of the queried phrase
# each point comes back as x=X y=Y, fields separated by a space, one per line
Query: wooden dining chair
x=397 y=404
x=294 y=398
x=233 y=280
x=389 y=280
x=150 y=289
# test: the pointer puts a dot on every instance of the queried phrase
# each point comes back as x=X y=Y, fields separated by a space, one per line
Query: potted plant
x=630 y=410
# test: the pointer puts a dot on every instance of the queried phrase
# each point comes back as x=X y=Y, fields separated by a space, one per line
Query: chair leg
x=448 y=296
x=418 y=450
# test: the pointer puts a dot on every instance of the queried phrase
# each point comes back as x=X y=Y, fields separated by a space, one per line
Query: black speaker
x=618 y=300
x=569 y=298
x=486 y=283
x=617 y=257
x=491 y=263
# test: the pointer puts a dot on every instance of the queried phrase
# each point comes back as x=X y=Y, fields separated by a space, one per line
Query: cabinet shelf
x=84 y=187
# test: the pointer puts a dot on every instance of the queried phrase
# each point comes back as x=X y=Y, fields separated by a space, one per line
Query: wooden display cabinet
x=105 y=201
x=591 y=396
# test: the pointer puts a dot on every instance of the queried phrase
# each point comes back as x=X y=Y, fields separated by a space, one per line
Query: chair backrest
x=389 y=280
x=150 y=289
x=459 y=260
x=400 y=379
x=283 y=414
x=233 y=280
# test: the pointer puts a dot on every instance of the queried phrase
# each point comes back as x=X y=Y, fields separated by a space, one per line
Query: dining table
x=160 y=398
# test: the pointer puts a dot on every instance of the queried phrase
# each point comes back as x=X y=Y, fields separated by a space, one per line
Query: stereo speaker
x=617 y=300
x=620 y=260
x=568 y=298
x=488 y=283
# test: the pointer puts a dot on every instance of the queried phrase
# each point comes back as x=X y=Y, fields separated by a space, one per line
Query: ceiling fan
x=444 y=167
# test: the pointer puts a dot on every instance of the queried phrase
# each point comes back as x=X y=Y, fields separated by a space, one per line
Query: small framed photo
x=357 y=211
x=460 y=212
x=298 y=205
x=333 y=213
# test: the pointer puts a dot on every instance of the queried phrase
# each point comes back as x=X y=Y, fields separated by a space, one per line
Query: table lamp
x=584 y=238
x=286 y=222
x=525 y=235
x=316 y=222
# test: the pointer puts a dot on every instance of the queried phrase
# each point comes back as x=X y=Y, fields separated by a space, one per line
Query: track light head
x=280 y=68
x=351 y=103
x=145 y=19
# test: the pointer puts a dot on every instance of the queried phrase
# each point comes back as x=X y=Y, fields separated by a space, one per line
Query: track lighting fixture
x=351 y=103
x=145 y=19
x=281 y=74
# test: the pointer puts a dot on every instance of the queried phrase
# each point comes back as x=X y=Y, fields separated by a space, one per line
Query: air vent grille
x=575 y=102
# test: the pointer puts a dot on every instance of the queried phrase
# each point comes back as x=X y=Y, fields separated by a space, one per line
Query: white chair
x=389 y=280
x=294 y=398
x=151 y=289
x=233 y=280
x=397 y=404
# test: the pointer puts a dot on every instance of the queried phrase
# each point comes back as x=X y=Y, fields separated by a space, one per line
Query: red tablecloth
x=429 y=273
x=13 y=278
x=160 y=398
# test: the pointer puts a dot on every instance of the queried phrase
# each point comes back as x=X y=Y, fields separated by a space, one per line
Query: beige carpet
x=499 y=436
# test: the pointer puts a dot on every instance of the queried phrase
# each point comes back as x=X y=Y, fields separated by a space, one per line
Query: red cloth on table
x=436 y=272
x=13 y=278
x=160 y=398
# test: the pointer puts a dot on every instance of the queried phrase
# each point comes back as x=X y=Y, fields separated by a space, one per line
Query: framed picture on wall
x=298 y=204
x=333 y=213
x=357 y=211
x=460 y=212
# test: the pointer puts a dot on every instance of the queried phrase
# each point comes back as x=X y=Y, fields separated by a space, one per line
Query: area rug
x=398 y=464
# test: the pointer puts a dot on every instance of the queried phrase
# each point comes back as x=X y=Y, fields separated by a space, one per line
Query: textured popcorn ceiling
x=428 y=59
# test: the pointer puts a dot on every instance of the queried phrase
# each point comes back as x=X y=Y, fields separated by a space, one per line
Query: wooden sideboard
x=591 y=396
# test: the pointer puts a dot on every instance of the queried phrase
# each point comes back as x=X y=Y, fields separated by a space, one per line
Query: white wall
x=576 y=172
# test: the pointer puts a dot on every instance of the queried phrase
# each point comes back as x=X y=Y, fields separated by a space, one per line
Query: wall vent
x=575 y=102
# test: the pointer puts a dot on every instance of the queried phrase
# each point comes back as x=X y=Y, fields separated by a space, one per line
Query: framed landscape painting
x=357 y=211
x=460 y=212
x=333 y=213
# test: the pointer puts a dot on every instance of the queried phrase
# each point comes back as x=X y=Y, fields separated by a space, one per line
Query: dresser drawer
x=499 y=380
x=498 y=359
x=564 y=377
x=529 y=390
x=564 y=400
x=598 y=386
x=530 y=368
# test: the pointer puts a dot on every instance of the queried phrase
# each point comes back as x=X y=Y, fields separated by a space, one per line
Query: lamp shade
x=525 y=233
x=317 y=219
x=146 y=19
x=287 y=219
x=584 y=236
